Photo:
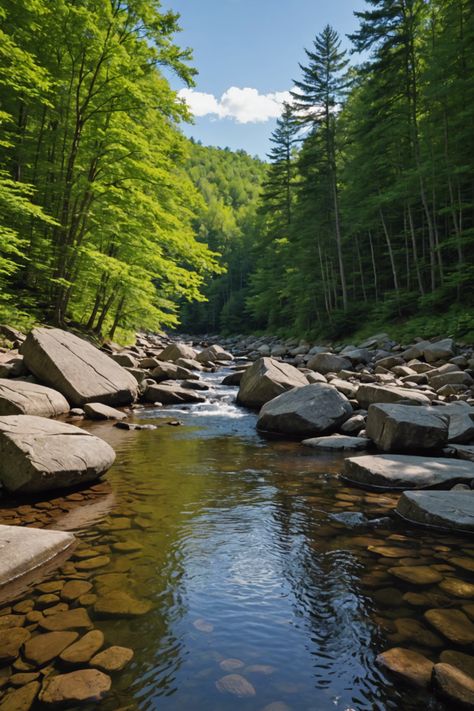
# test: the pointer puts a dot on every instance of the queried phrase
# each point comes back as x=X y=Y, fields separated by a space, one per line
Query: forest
x=362 y=218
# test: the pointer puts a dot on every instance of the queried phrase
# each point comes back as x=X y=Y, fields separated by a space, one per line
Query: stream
x=257 y=561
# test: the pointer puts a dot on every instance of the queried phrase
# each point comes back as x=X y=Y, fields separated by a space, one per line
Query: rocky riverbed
x=398 y=418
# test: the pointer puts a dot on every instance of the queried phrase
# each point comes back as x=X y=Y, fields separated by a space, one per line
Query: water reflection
x=258 y=562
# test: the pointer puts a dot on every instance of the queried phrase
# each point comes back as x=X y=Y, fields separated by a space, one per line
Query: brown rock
x=74 y=589
x=463 y=662
x=44 y=647
x=410 y=666
x=118 y=603
x=113 y=659
x=417 y=575
x=21 y=699
x=453 y=685
x=453 y=624
x=81 y=686
x=11 y=642
x=76 y=619
x=84 y=649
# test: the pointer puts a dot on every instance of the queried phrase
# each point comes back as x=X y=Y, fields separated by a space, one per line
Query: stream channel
x=257 y=561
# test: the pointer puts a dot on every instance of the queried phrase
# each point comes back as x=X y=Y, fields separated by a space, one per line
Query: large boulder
x=266 y=379
x=77 y=369
x=37 y=454
x=404 y=428
x=329 y=363
x=400 y=471
x=368 y=394
x=305 y=412
x=452 y=510
x=175 y=351
x=441 y=350
x=19 y=397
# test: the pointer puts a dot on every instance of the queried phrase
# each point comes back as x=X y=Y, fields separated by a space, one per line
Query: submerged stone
x=236 y=685
x=85 y=685
x=410 y=666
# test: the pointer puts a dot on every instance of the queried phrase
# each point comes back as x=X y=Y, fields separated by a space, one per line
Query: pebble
x=73 y=589
x=113 y=659
x=203 y=625
x=229 y=665
x=119 y=603
x=11 y=642
x=453 y=624
x=453 y=685
x=236 y=685
x=417 y=575
x=76 y=619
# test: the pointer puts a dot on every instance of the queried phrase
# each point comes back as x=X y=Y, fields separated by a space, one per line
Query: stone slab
x=400 y=472
x=453 y=510
x=25 y=549
x=337 y=443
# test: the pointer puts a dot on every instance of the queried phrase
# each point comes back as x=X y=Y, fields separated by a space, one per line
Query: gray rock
x=329 y=363
x=99 y=411
x=337 y=443
x=353 y=425
x=266 y=379
x=369 y=394
x=345 y=387
x=404 y=428
x=305 y=411
x=127 y=360
x=76 y=368
x=25 y=549
x=37 y=454
x=171 y=371
x=233 y=378
x=399 y=471
x=18 y=397
x=464 y=451
x=169 y=393
x=189 y=364
x=177 y=350
x=213 y=354
x=441 y=350
x=451 y=510
x=458 y=377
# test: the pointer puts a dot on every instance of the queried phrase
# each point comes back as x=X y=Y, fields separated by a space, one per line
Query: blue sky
x=247 y=54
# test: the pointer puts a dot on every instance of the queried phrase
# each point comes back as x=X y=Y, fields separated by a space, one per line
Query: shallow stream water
x=257 y=561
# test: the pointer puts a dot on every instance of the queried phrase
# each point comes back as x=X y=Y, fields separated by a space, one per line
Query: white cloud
x=243 y=105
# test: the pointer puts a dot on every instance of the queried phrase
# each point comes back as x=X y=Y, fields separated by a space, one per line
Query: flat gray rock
x=213 y=354
x=398 y=471
x=305 y=411
x=266 y=379
x=19 y=397
x=77 y=369
x=369 y=394
x=23 y=549
x=99 y=411
x=404 y=428
x=37 y=454
x=169 y=393
x=464 y=451
x=337 y=442
x=453 y=510
x=171 y=371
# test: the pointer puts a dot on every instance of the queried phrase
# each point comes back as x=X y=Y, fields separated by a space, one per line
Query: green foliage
x=97 y=211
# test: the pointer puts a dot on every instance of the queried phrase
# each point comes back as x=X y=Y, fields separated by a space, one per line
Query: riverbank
x=113 y=520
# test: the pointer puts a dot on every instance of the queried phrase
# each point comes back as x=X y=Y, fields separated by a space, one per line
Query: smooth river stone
x=401 y=471
x=410 y=629
x=76 y=619
x=452 y=685
x=410 y=666
x=337 y=442
x=452 y=624
x=127 y=547
x=112 y=659
x=464 y=563
x=85 y=685
x=44 y=647
x=463 y=662
x=74 y=589
x=236 y=685
x=118 y=603
x=84 y=649
x=21 y=699
x=23 y=678
x=458 y=588
x=390 y=551
x=11 y=641
x=417 y=575
x=229 y=665
x=7 y=621
x=99 y=561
